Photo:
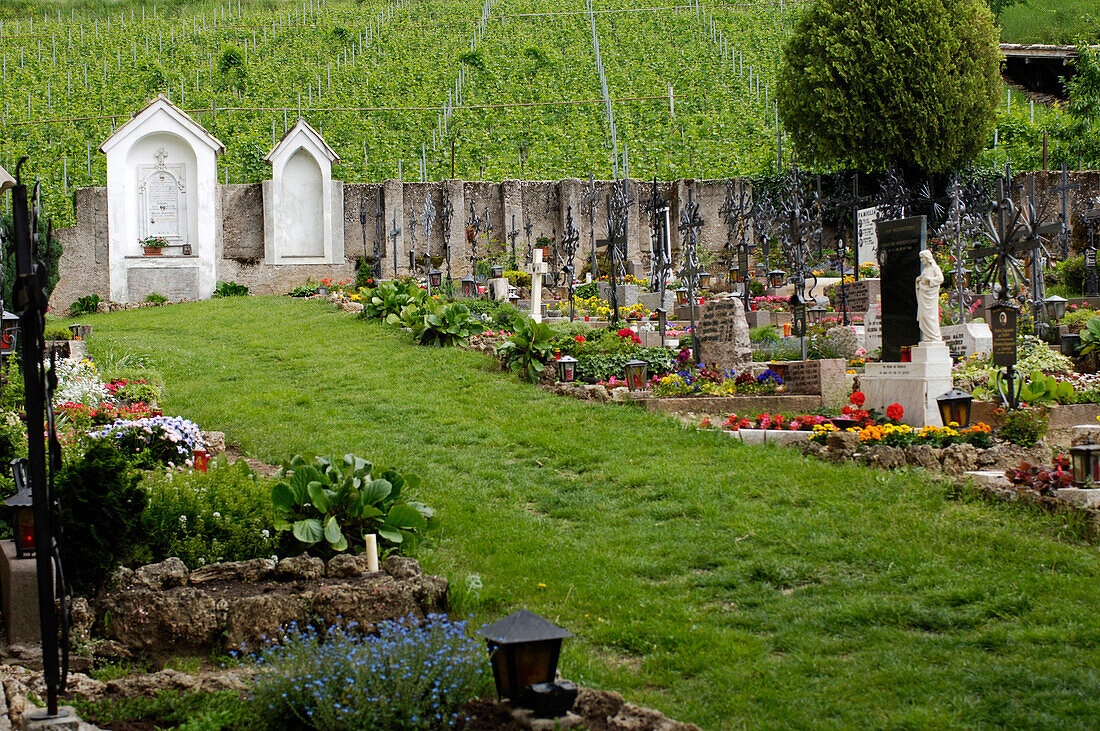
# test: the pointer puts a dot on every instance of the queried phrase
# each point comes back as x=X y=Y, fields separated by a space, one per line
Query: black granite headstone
x=1002 y=324
x=899 y=246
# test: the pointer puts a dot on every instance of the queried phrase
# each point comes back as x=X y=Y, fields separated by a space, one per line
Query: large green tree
x=877 y=84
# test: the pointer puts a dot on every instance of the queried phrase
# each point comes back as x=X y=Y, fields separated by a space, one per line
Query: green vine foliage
x=910 y=84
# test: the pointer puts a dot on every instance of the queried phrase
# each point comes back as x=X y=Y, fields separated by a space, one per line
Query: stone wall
x=547 y=204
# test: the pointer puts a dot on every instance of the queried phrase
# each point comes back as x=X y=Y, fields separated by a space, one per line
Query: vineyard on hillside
x=475 y=89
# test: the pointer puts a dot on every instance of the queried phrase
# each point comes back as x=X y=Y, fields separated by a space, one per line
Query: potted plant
x=152 y=245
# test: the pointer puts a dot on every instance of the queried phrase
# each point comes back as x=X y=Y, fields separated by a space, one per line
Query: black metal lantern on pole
x=636 y=374
x=777 y=278
x=1085 y=460
x=496 y=271
x=662 y=322
x=435 y=279
x=22 y=510
x=567 y=369
x=954 y=407
x=816 y=313
x=1070 y=343
x=704 y=280
x=524 y=649
x=681 y=297
x=469 y=287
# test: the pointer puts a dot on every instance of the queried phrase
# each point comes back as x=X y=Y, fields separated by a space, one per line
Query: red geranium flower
x=895 y=412
x=579 y=338
x=857 y=398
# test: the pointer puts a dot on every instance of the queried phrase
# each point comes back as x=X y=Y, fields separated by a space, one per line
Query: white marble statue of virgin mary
x=928 y=298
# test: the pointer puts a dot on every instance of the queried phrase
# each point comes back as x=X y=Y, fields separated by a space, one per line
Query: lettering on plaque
x=163 y=197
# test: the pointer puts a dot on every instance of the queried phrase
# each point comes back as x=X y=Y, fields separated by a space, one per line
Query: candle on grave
x=372 y=553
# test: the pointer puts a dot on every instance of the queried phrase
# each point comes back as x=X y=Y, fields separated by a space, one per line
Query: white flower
x=183 y=520
x=265 y=533
x=217 y=514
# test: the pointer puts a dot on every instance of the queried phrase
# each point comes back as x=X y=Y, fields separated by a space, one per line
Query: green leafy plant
x=337 y=502
x=230 y=289
x=101 y=506
x=527 y=350
x=57 y=331
x=305 y=290
x=1043 y=389
x=1090 y=337
x=156 y=298
x=764 y=334
x=1024 y=426
x=223 y=514
x=87 y=305
x=390 y=298
x=443 y=326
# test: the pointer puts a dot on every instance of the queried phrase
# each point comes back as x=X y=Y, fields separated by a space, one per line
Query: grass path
x=727 y=585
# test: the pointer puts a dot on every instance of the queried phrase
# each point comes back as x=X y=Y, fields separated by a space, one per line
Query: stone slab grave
x=758 y=318
x=914 y=385
x=826 y=379
x=862 y=295
x=652 y=300
x=19 y=585
x=872 y=328
x=629 y=294
x=724 y=335
x=973 y=338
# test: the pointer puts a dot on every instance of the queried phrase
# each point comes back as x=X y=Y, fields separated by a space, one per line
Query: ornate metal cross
x=446 y=213
x=393 y=235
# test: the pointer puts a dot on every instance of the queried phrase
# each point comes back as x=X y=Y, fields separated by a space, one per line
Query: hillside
x=512 y=88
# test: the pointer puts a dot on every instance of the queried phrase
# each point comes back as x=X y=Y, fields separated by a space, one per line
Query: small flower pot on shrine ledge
x=152 y=250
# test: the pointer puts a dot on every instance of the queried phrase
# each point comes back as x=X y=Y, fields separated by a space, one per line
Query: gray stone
x=1085 y=434
x=251 y=621
x=884 y=457
x=923 y=455
x=401 y=567
x=959 y=458
x=242 y=238
x=300 y=567
x=346 y=565
x=778 y=437
x=157 y=576
x=1084 y=498
x=842 y=441
x=724 y=335
x=19 y=587
x=214 y=441
x=160 y=622
x=256 y=569
x=176 y=282
x=990 y=479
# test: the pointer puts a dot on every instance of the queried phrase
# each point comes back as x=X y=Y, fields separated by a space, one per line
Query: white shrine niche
x=162 y=182
x=303 y=205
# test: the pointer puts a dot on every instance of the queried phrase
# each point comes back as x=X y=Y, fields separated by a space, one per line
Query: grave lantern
x=1055 y=307
x=567 y=369
x=9 y=336
x=736 y=276
x=469 y=287
x=513 y=297
x=1070 y=341
x=816 y=313
x=1086 y=464
x=22 y=508
x=681 y=297
x=777 y=278
x=704 y=280
x=435 y=278
x=496 y=271
x=547 y=280
x=524 y=649
x=954 y=407
x=636 y=374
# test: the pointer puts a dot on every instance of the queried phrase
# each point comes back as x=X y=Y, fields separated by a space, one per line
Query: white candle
x=372 y=553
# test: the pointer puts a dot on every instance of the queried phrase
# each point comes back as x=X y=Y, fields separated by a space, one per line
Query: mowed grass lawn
x=726 y=585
